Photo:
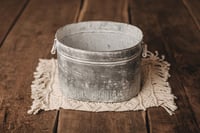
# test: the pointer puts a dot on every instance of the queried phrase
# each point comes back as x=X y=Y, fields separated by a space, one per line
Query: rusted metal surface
x=99 y=61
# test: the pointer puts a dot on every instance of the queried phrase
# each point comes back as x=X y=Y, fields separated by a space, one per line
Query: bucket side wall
x=99 y=83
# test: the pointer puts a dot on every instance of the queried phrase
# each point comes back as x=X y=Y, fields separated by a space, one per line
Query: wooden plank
x=105 y=122
x=30 y=39
x=194 y=10
x=104 y=10
x=74 y=122
x=10 y=11
x=191 y=77
x=173 y=33
x=119 y=122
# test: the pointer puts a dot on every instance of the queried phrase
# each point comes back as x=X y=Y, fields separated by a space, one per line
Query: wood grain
x=30 y=39
x=168 y=27
x=10 y=11
x=119 y=122
x=108 y=10
x=74 y=122
x=105 y=122
x=194 y=10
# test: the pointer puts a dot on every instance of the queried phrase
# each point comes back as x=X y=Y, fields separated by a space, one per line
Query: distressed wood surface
x=107 y=122
x=10 y=12
x=193 y=7
x=170 y=26
x=104 y=10
x=176 y=36
x=30 y=39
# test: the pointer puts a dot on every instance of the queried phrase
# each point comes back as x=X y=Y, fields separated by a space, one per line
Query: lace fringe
x=159 y=75
x=40 y=86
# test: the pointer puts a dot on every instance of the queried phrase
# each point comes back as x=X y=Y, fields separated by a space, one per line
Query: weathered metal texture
x=99 y=61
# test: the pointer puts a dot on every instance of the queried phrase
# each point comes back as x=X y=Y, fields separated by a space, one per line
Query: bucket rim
x=139 y=41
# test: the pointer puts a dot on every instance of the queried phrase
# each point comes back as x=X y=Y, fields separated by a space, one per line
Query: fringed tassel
x=159 y=74
x=40 y=86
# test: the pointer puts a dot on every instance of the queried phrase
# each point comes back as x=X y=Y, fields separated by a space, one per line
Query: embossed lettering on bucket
x=99 y=61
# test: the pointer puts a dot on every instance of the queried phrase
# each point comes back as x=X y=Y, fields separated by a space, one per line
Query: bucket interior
x=100 y=39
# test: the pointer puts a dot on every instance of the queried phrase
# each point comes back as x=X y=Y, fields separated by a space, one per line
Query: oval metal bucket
x=99 y=61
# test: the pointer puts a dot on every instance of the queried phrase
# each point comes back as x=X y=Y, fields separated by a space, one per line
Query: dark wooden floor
x=27 y=29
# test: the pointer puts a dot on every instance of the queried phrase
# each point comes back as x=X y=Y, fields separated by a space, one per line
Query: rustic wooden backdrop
x=27 y=29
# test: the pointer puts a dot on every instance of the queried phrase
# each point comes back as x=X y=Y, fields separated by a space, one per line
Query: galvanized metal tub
x=99 y=61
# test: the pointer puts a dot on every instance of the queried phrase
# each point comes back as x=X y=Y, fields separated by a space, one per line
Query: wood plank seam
x=194 y=18
x=129 y=14
x=55 y=128
x=5 y=116
x=147 y=122
x=80 y=10
x=14 y=22
x=83 y=8
x=188 y=99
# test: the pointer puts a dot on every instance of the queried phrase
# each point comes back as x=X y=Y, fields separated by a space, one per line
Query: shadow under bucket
x=99 y=61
